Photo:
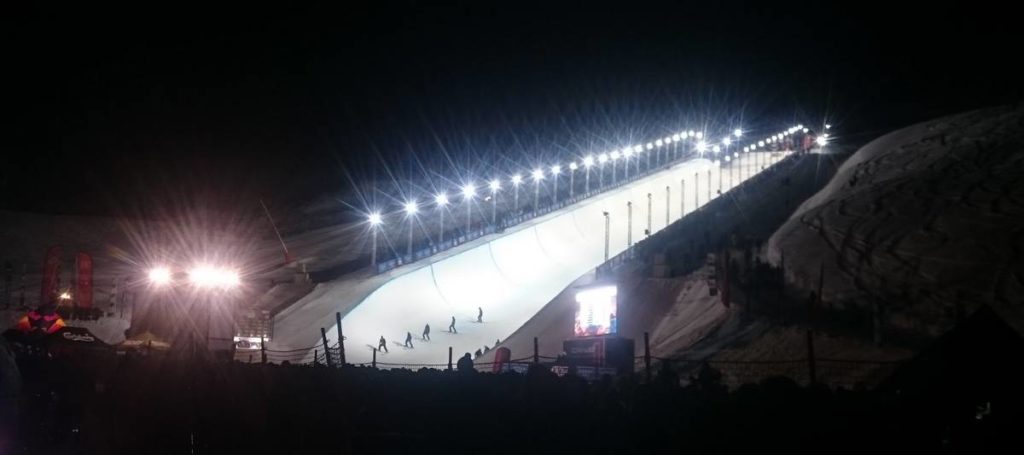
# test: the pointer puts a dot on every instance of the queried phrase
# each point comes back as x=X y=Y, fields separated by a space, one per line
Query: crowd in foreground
x=159 y=405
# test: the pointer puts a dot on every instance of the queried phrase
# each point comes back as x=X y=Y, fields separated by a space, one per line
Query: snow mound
x=925 y=222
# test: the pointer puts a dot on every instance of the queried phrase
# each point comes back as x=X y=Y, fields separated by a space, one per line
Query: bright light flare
x=659 y=143
x=159 y=276
x=573 y=166
x=556 y=169
x=602 y=158
x=822 y=140
x=726 y=142
x=65 y=295
x=374 y=219
x=615 y=155
x=588 y=160
x=716 y=149
x=517 y=179
x=441 y=199
x=701 y=146
x=495 y=185
x=211 y=277
x=538 y=175
x=411 y=208
x=469 y=191
x=737 y=132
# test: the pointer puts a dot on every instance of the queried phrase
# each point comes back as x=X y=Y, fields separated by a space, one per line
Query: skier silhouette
x=480 y=315
x=451 y=327
x=408 y=339
x=383 y=344
x=426 y=333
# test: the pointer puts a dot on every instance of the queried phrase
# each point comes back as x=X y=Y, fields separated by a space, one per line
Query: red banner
x=83 y=280
x=51 y=272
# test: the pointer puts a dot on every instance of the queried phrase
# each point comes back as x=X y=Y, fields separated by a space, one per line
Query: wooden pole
x=316 y=354
x=374 y=364
x=449 y=358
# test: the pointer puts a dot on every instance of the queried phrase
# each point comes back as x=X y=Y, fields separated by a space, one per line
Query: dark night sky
x=104 y=106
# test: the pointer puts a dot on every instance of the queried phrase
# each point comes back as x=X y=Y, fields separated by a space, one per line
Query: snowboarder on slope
x=451 y=327
x=382 y=345
x=408 y=339
x=426 y=333
x=480 y=315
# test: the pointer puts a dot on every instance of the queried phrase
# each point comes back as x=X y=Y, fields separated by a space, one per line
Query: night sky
x=108 y=107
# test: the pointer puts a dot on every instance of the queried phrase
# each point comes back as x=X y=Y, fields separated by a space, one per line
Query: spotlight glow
x=822 y=140
x=726 y=142
x=573 y=166
x=701 y=146
x=737 y=132
x=588 y=160
x=556 y=169
x=538 y=175
x=602 y=158
x=374 y=219
x=650 y=146
x=160 y=276
x=441 y=199
x=615 y=155
x=675 y=137
x=517 y=179
x=495 y=185
x=659 y=143
x=208 y=277
x=716 y=149
x=638 y=149
x=700 y=135
x=411 y=208
x=468 y=191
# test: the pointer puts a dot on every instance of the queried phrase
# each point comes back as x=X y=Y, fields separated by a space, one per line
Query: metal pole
x=494 y=206
x=536 y=351
x=441 y=234
x=536 y=195
x=613 y=172
x=629 y=223
x=682 y=198
x=586 y=186
x=408 y=250
x=263 y=350
x=449 y=358
x=696 y=193
x=373 y=247
x=607 y=235
x=649 y=231
x=374 y=362
x=572 y=183
x=327 y=354
x=625 y=166
x=469 y=216
x=668 y=196
x=554 y=194
x=341 y=339
x=647 y=356
x=515 y=198
x=709 y=186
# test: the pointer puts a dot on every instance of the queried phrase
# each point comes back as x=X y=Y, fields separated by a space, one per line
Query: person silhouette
x=480 y=315
x=426 y=333
x=451 y=327
x=408 y=339
x=382 y=345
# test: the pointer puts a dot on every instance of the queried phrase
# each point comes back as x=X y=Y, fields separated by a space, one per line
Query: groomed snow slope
x=925 y=222
x=510 y=276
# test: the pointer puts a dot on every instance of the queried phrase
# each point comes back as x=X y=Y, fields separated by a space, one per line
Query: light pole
x=629 y=223
x=709 y=185
x=682 y=198
x=555 y=170
x=601 y=159
x=637 y=150
x=668 y=195
x=468 y=192
x=441 y=200
x=572 y=178
x=516 y=180
x=696 y=192
x=495 y=186
x=538 y=175
x=410 y=212
x=607 y=235
x=588 y=162
x=626 y=153
x=649 y=206
x=615 y=157
x=375 y=220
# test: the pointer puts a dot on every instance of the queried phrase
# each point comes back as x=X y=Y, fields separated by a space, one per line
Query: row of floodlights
x=469 y=190
x=202 y=276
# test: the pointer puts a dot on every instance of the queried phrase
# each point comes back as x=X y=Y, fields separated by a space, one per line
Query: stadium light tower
x=588 y=162
x=159 y=276
x=572 y=178
x=626 y=153
x=410 y=213
x=737 y=132
x=538 y=175
x=555 y=170
x=495 y=186
x=468 y=191
x=516 y=180
x=441 y=200
x=375 y=221
x=601 y=159
x=615 y=157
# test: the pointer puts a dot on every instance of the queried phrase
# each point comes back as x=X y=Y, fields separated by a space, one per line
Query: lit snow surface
x=511 y=276
x=922 y=221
